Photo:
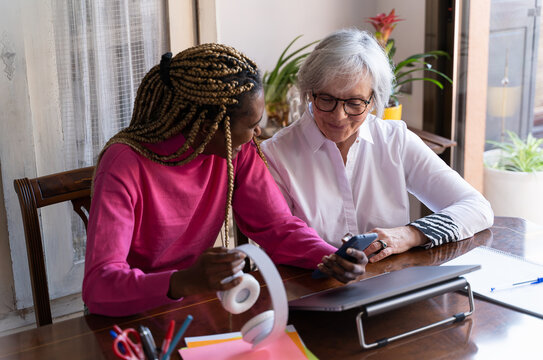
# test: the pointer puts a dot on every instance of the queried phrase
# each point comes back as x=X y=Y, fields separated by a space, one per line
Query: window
x=103 y=50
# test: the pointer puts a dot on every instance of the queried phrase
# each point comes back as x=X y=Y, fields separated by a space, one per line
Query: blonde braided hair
x=195 y=92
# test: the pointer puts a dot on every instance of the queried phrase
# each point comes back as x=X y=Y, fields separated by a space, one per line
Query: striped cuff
x=438 y=228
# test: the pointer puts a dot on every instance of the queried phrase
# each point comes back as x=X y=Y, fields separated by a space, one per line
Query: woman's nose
x=257 y=131
x=339 y=111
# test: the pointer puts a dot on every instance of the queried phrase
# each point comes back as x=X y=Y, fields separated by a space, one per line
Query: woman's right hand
x=214 y=265
x=342 y=269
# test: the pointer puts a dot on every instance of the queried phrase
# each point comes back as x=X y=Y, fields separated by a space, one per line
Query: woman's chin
x=336 y=136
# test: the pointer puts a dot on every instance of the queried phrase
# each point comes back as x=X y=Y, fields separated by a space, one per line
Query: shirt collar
x=316 y=139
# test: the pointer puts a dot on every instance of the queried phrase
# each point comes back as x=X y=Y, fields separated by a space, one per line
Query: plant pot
x=512 y=193
x=393 y=113
x=278 y=113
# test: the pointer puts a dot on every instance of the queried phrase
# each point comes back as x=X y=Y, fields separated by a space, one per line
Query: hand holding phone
x=358 y=242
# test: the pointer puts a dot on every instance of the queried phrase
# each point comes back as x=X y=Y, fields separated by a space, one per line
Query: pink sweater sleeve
x=264 y=216
x=110 y=286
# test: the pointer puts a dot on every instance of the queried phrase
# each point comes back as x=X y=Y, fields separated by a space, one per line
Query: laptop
x=379 y=287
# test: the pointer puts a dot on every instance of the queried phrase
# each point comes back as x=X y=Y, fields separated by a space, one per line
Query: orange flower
x=384 y=24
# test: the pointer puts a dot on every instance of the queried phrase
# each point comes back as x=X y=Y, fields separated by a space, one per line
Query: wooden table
x=492 y=332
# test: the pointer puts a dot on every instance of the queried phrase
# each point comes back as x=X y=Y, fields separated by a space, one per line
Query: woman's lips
x=336 y=126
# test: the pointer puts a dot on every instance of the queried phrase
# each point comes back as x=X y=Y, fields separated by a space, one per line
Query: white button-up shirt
x=370 y=190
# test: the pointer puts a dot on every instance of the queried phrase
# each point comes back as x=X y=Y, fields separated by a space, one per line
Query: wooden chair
x=74 y=186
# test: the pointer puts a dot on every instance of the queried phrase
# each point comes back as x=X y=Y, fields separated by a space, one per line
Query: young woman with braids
x=164 y=185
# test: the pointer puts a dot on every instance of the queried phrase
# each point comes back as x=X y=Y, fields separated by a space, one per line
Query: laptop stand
x=401 y=300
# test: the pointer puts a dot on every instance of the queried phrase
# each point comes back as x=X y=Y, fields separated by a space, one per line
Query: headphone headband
x=275 y=289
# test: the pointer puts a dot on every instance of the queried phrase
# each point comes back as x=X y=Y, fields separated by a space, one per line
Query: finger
x=353 y=269
x=326 y=265
x=334 y=262
x=344 y=277
x=360 y=256
x=229 y=285
x=325 y=270
x=328 y=271
x=222 y=274
x=226 y=257
x=373 y=248
x=381 y=255
x=238 y=267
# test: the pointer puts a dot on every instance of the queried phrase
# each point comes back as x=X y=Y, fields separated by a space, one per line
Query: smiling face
x=336 y=125
x=244 y=125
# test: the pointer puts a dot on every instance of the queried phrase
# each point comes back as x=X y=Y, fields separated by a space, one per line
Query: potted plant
x=403 y=70
x=278 y=82
x=513 y=177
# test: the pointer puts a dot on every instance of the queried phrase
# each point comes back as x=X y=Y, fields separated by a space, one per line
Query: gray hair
x=352 y=54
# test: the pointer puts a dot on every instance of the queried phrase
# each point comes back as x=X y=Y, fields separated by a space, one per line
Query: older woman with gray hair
x=343 y=170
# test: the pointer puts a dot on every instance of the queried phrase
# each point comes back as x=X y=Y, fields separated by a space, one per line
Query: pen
x=167 y=339
x=539 y=280
x=177 y=337
x=149 y=347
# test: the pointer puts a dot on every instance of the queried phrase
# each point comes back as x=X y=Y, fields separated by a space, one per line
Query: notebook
x=230 y=346
x=500 y=269
x=379 y=287
x=207 y=340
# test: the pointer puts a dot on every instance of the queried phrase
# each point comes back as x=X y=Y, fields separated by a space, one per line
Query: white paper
x=499 y=269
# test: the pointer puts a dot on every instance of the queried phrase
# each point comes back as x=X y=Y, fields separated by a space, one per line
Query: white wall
x=17 y=141
x=262 y=29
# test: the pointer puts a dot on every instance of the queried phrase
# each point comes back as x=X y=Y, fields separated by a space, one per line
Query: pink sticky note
x=282 y=348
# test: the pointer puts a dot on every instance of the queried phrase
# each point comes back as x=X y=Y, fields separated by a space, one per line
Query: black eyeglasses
x=353 y=106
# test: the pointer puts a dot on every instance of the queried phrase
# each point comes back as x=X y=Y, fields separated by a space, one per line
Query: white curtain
x=103 y=50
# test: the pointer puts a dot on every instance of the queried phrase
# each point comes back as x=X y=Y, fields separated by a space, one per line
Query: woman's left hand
x=396 y=240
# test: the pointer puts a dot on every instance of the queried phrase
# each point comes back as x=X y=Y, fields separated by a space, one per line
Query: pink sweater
x=148 y=220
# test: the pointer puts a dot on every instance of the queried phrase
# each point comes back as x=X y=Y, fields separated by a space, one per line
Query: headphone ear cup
x=256 y=329
x=241 y=297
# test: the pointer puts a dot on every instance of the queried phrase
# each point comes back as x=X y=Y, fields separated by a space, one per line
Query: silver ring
x=347 y=237
x=384 y=244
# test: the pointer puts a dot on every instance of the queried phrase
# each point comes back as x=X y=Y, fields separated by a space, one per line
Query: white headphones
x=266 y=326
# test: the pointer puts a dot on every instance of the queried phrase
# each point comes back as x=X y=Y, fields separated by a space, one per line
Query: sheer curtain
x=103 y=50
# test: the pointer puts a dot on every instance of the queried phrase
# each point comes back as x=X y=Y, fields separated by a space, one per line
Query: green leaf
x=434 y=81
x=519 y=155
x=278 y=81
x=417 y=63
x=403 y=74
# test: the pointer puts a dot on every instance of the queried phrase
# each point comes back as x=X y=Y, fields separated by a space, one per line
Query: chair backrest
x=74 y=186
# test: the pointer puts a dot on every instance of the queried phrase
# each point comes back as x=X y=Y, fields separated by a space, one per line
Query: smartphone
x=359 y=242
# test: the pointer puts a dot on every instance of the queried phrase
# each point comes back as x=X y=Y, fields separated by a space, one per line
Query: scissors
x=127 y=344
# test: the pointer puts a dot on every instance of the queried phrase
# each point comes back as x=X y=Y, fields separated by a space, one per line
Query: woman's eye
x=354 y=103
x=327 y=99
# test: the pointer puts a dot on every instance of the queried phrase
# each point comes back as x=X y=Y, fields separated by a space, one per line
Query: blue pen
x=177 y=337
x=539 y=280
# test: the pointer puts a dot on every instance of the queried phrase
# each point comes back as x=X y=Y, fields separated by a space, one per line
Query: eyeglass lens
x=328 y=103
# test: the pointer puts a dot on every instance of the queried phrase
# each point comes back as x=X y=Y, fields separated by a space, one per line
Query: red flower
x=384 y=24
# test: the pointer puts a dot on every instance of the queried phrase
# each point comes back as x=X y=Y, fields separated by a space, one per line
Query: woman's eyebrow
x=256 y=123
